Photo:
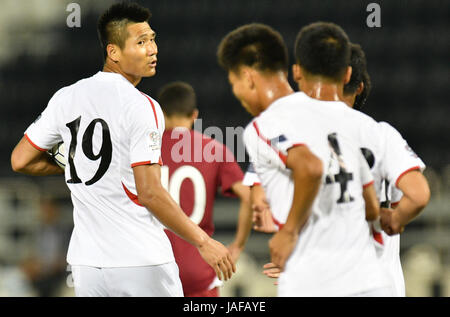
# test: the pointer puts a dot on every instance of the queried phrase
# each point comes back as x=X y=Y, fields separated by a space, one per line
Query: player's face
x=138 y=57
x=242 y=90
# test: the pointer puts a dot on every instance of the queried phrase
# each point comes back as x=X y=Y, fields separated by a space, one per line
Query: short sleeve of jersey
x=395 y=193
x=288 y=138
x=43 y=133
x=144 y=132
x=229 y=172
x=366 y=175
x=251 y=177
x=399 y=158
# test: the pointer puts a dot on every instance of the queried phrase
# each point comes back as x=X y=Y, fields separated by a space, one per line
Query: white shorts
x=140 y=281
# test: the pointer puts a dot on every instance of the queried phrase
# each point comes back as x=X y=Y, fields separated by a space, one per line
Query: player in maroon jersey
x=195 y=167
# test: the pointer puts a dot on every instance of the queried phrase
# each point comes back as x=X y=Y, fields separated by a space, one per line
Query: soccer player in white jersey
x=409 y=193
x=393 y=158
x=112 y=133
x=318 y=184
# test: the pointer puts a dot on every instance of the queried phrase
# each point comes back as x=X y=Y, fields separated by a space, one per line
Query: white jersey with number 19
x=108 y=127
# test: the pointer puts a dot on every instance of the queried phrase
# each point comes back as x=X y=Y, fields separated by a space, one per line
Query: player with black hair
x=112 y=134
x=357 y=90
x=255 y=47
x=408 y=194
x=389 y=156
x=194 y=175
x=317 y=182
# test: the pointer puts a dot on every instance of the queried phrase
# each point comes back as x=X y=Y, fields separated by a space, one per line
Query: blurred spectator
x=16 y=281
x=50 y=248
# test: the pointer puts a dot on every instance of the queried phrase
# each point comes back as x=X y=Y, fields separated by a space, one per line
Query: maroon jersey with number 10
x=195 y=167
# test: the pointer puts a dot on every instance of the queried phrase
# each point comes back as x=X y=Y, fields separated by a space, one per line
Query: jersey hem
x=76 y=263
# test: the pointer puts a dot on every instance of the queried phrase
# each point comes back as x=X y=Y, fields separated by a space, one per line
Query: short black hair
x=255 y=45
x=323 y=48
x=177 y=99
x=111 y=26
x=358 y=63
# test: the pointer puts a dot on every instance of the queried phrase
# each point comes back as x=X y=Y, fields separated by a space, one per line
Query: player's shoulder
x=285 y=106
x=387 y=129
x=136 y=101
x=362 y=117
x=274 y=113
x=393 y=138
x=148 y=99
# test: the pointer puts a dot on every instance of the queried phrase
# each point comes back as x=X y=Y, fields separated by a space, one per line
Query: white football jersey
x=334 y=255
x=108 y=127
x=389 y=157
x=395 y=159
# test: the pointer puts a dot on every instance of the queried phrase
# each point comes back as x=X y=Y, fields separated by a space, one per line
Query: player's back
x=195 y=166
x=108 y=126
x=334 y=255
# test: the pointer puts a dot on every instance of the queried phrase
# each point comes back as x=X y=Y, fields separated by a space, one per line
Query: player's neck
x=111 y=67
x=273 y=88
x=178 y=122
x=323 y=90
x=349 y=100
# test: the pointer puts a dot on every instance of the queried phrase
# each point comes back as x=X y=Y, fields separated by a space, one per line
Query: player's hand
x=262 y=216
x=390 y=221
x=281 y=246
x=272 y=271
x=263 y=221
x=218 y=257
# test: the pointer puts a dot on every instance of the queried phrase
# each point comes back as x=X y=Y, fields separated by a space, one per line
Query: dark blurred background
x=408 y=61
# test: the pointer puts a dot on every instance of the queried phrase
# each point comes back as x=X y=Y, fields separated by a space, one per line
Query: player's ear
x=113 y=52
x=360 y=88
x=296 y=72
x=194 y=115
x=249 y=77
x=348 y=75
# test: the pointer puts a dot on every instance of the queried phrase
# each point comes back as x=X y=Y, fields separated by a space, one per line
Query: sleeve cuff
x=402 y=174
x=160 y=162
x=34 y=145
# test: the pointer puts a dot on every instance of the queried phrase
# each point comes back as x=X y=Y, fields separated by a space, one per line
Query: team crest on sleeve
x=155 y=140
x=278 y=139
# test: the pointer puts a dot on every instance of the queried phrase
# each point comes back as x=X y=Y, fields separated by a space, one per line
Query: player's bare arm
x=416 y=194
x=152 y=195
x=371 y=202
x=244 y=225
x=28 y=160
x=307 y=172
x=262 y=216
